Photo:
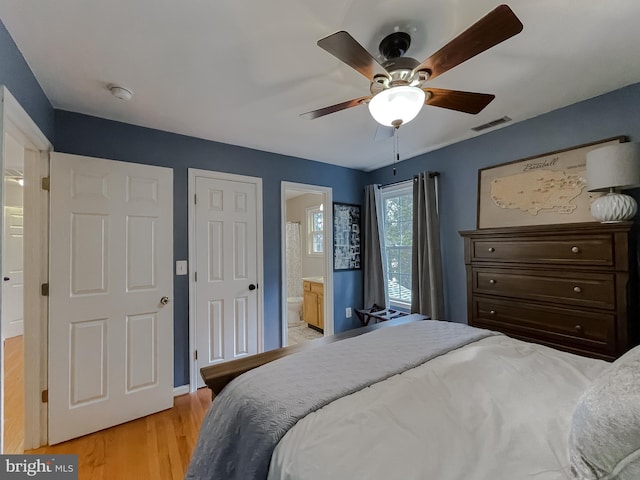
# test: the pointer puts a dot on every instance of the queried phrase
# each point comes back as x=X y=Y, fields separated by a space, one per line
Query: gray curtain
x=426 y=283
x=375 y=290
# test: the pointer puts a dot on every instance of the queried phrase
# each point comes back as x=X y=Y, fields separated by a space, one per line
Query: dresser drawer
x=596 y=250
x=589 y=290
x=561 y=326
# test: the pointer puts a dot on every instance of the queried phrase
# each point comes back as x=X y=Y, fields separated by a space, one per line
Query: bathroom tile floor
x=300 y=332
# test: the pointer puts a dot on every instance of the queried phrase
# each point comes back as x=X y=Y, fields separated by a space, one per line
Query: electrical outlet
x=347 y=312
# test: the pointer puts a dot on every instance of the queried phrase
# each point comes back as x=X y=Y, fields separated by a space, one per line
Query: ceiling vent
x=492 y=123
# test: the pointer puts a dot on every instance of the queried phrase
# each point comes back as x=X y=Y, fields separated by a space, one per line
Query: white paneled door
x=226 y=244
x=111 y=284
x=13 y=275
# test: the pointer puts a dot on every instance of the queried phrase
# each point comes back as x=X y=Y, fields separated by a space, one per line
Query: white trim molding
x=181 y=390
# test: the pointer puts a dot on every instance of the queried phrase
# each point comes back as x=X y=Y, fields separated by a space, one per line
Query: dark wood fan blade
x=345 y=48
x=495 y=27
x=468 y=102
x=334 y=108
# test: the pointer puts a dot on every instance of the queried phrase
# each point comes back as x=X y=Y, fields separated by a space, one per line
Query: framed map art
x=541 y=190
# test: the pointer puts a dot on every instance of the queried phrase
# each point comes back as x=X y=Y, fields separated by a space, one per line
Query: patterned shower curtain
x=294 y=260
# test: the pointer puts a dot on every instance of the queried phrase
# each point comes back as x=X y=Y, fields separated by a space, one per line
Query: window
x=397 y=231
x=315 y=231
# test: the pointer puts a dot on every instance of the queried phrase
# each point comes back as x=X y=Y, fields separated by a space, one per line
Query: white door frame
x=328 y=257
x=193 y=173
x=17 y=122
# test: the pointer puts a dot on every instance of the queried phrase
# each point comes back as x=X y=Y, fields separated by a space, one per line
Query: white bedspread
x=497 y=409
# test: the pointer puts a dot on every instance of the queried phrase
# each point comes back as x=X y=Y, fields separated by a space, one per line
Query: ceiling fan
x=398 y=88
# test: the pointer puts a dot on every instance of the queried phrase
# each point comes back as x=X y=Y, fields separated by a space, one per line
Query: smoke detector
x=121 y=92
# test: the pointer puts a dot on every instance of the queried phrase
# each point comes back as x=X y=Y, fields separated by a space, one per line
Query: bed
x=426 y=400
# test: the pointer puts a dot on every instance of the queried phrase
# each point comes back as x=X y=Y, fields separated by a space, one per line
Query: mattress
x=495 y=409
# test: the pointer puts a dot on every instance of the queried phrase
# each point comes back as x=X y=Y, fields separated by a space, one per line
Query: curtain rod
x=431 y=174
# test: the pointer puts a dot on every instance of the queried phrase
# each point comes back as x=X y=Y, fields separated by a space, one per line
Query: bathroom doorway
x=307 y=273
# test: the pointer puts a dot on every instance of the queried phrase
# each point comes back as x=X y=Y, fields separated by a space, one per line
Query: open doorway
x=24 y=262
x=12 y=312
x=307 y=274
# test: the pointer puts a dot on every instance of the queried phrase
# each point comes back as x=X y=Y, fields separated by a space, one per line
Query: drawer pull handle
x=492 y=281
x=491 y=249
x=575 y=249
x=577 y=289
x=492 y=312
x=578 y=328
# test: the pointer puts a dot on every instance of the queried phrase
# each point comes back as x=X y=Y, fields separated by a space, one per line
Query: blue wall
x=616 y=113
x=91 y=136
x=609 y=115
x=16 y=75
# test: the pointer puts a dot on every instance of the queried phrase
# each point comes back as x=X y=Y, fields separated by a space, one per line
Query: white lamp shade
x=396 y=104
x=613 y=166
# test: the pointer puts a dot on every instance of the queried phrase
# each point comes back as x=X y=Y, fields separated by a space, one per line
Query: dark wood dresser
x=570 y=286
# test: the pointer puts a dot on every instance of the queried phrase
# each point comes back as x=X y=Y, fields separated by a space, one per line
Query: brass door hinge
x=46 y=183
x=44 y=289
x=45 y=396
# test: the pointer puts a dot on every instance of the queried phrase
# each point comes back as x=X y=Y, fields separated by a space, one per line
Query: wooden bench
x=217 y=376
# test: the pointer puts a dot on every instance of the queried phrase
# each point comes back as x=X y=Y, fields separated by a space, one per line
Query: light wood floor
x=156 y=447
x=13 y=395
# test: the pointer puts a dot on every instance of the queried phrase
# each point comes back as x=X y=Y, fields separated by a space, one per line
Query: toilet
x=294 y=310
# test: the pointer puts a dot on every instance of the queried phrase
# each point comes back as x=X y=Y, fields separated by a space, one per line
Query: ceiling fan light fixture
x=396 y=105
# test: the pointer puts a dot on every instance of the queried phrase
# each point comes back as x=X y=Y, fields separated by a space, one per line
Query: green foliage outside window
x=398 y=236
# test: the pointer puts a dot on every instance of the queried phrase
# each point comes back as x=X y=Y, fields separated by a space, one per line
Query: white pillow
x=604 y=443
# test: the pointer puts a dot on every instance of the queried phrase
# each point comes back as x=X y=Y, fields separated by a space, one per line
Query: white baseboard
x=183 y=390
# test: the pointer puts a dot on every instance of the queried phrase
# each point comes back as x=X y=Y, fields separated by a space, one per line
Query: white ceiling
x=241 y=72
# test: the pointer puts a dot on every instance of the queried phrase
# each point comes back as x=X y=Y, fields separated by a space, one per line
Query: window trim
x=400 y=188
x=309 y=212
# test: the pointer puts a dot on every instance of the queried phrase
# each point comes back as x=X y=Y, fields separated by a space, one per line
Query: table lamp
x=610 y=168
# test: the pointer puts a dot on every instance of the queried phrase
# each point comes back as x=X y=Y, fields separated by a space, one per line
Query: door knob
x=164 y=300
x=252 y=287
x=6 y=279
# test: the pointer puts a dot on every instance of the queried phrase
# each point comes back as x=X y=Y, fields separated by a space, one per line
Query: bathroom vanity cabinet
x=313 y=303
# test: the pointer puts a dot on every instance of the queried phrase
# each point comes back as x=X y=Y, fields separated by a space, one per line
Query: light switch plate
x=181 y=267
